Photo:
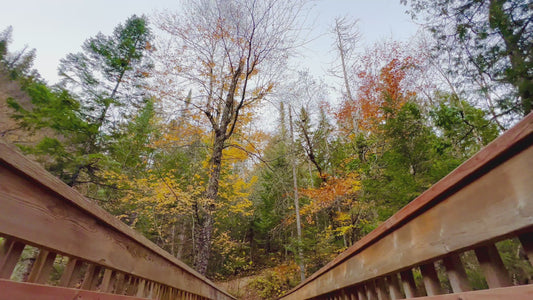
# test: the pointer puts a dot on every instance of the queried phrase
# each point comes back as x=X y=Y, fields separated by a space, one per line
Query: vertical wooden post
x=161 y=292
x=91 y=277
x=526 y=240
x=72 y=273
x=371 y=290
x=10 y=252
x=408 y=282
x=40 y=272
x=107 y=281
x=431 y=279
x=353 y=293
x=132 y=285
x=361 y=294
x=140 y=288
x=150 y=289
x=492 y=265
x=395 y=291
x=120 y=279
x=456 y=273
x=382 y=289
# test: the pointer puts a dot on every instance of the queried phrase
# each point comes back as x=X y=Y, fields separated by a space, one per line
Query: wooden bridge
x=486 y=200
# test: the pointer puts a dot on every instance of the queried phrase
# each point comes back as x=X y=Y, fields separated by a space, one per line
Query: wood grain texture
x=10 y=290
x=486 y=199
x=62 y=220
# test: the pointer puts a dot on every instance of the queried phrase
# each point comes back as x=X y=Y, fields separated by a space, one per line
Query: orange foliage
x=334 y=190
x=383 y=87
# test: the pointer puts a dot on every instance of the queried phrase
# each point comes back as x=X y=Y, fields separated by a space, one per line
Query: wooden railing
x=420 y=251
x=80 y=251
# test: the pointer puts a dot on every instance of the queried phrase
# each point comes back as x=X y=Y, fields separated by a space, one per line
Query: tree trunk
x=205 y=212
x=296 y=203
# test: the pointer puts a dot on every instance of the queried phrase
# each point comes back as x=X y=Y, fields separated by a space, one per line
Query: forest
x=187 y=126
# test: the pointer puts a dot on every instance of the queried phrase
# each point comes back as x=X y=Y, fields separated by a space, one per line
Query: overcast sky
x=58 y=27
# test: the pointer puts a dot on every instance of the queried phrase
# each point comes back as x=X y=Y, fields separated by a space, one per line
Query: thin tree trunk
x=205 y=213
x=296 y=202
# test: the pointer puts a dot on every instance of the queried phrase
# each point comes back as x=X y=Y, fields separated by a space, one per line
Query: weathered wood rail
x=486 y=200
x=105 y=259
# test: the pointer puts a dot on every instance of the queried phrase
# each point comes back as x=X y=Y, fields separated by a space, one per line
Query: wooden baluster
x=91 y=277
x=132 y=286
x=150 y=289
x=166 y=293
x=72 y=273
x=382 y=289
x=157 y=291
x=153 y=291
x=140 y=288
x=527 y=243
x=172 y=295
x=431 y=279
x=120 y=281
x=409 y=285
x=361 y=293
x=456 y=273
x=163 y=295
x=492 y=265
x=40 y=272
x=346 y=295
x=10 y=252
x=352 y=292
x=395 y=291
x=107 y=281
x=371 y=290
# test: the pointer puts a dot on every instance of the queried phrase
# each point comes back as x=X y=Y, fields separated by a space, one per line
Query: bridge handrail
x=515 y=144
x=38 y=209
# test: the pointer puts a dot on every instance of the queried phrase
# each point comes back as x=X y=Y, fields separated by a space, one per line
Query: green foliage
x=494 y=38
x=18 y=64
x=110 y=71
x=515 y=260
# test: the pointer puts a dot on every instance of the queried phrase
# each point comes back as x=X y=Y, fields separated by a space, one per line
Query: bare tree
x=346 y=38
x=229 y=53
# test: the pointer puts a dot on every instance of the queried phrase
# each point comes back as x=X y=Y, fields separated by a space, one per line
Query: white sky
x=58 y=27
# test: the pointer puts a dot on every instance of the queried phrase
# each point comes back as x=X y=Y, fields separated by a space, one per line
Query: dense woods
x=163 y=123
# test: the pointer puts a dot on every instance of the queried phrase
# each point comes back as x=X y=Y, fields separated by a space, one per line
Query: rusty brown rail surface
x=487 y=199
x=92 y=254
